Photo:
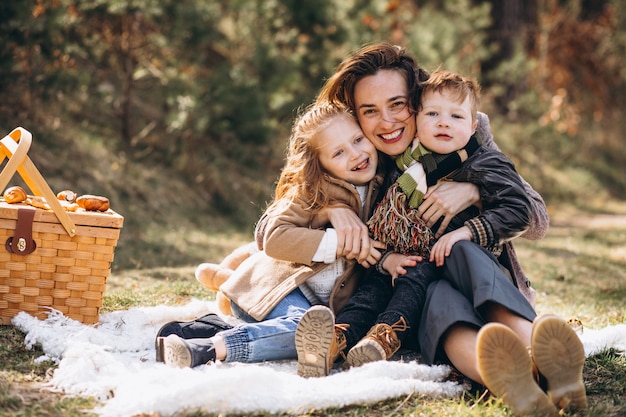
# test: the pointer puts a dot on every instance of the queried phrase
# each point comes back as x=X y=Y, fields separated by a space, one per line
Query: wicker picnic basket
x=52 y=259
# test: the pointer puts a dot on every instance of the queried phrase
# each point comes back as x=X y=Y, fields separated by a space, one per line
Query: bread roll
x=93 y=202
x=15 y=194
x=67 y=195
x=37 y=202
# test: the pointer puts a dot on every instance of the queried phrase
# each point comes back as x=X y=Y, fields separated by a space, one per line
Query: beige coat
x=289 y=244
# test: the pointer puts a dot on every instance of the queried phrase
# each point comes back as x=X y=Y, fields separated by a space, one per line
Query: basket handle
x=15 y=146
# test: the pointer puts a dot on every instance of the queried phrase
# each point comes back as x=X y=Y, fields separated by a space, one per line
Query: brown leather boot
x=559 y=355
x=506 y=370
x=319 y=342
x=380 y=343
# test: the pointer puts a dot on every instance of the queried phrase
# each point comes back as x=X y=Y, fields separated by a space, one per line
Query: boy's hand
x=441 y=249
x=395 y=263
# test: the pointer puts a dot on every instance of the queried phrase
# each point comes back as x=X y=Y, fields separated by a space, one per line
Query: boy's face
x=345 y=152
x=444 y=125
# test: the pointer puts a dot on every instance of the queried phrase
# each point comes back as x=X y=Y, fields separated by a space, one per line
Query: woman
x=379 y=83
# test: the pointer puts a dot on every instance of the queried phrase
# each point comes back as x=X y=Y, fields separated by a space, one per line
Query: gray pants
x=472 y=277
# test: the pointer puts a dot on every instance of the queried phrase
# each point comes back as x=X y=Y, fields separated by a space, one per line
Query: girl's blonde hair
x=301 y=177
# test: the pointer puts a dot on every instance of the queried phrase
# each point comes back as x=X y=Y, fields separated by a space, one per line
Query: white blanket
x=114 y=362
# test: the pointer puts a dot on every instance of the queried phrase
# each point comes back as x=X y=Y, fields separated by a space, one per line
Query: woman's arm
x=353 y=240
x=446 y=199
x=290 y=233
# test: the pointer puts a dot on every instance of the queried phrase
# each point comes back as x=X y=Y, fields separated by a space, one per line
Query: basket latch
x=22 y=242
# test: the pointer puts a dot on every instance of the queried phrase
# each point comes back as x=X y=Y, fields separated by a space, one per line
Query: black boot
x=202 y=327
x=186 y=353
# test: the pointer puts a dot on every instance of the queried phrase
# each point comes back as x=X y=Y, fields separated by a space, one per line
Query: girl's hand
x=395 y=263
x=447 y=199
x=441 y=249
x=374 y=255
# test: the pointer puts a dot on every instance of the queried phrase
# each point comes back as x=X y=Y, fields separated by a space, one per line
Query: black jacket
x=506 y=208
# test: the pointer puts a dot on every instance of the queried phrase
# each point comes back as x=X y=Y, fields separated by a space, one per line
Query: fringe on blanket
x=398 y=226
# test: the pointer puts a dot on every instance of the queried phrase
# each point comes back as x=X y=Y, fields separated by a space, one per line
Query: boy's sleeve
x=506 y=207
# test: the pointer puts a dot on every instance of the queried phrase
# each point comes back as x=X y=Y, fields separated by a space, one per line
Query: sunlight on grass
x=579 y=268
x=151 y=287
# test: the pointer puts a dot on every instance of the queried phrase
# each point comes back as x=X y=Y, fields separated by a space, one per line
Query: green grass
x=578 y=270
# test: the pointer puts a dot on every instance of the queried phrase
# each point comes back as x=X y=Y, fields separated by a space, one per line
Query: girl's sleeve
x=284 y=233
x=539 y=219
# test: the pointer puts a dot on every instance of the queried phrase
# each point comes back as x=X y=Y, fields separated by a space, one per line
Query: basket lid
x=81 y=217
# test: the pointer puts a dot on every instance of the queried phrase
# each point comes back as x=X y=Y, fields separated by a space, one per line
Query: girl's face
x=345 y=153
x=443 y=124
x=383 y=111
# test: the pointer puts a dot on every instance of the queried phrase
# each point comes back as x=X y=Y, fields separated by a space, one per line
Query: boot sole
x=158 y=341
x=559 y=356
x=364 y=352
x=158 y=345
x=175 y=352
x=506 y=369
x=314 y=336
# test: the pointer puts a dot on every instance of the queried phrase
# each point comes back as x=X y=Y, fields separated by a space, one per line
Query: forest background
x=179 y=111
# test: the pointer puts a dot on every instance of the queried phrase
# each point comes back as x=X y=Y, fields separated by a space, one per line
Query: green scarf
x=413 y=182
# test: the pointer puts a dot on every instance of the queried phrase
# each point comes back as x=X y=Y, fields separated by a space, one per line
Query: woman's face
x=383 y=111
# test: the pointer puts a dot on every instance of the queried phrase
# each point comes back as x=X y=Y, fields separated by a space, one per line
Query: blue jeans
x=270 y=339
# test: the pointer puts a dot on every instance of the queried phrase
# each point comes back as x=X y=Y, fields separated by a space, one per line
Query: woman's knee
x=464 y=248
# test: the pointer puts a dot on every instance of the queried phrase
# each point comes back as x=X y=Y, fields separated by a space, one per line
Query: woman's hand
x=442 y=248
x=447 y=199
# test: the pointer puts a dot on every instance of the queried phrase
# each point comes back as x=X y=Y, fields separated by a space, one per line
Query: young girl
x=329 y=162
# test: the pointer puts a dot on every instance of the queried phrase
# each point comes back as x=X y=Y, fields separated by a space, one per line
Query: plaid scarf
x=413 y=181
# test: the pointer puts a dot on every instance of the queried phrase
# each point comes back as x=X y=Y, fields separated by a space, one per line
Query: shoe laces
x=340 y=341
x=386 y=336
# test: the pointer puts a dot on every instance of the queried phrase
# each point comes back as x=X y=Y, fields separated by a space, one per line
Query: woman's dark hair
x=339 y=88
